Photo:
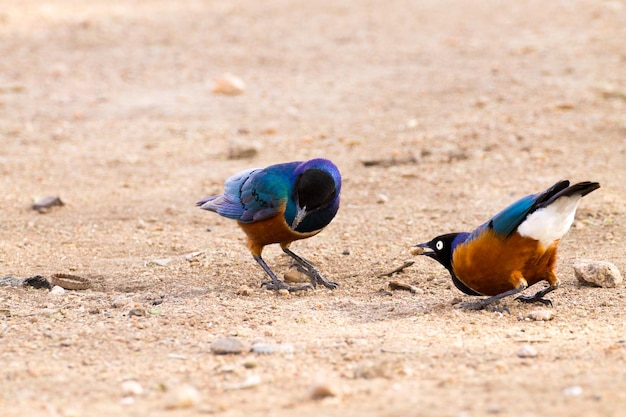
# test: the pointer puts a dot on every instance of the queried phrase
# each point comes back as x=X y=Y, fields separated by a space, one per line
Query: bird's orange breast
x=491 y=265
x=268 y=231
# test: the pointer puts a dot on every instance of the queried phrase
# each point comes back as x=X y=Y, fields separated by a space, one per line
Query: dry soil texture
x=465 y=106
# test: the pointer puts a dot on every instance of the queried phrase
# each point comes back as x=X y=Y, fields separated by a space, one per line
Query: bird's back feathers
x=551 y=224
x=251 y=195
x=506 y=222
x=261 y=193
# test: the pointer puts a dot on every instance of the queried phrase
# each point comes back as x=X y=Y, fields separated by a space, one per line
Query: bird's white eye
x=439 y=245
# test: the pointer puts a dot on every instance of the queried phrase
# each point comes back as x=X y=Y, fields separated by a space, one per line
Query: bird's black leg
x=311 y=271
x=277 y=284
x=479 y=305
x=538 y=297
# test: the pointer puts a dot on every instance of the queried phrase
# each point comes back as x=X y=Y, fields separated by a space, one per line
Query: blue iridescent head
x=316 y=190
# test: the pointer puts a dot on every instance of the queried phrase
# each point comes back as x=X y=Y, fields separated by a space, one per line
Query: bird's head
x=316 y=190
x=442 y=247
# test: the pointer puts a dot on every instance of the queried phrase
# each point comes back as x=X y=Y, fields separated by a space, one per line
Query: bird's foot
x=534 y=299
x=316 y=277
x=279 y=285
x=328 y=284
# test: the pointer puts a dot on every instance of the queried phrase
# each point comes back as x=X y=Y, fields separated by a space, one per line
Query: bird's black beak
x=426 y=250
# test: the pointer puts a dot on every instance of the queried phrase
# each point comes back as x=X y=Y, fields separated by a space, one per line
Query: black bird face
x=440 y=249
x=314 y=190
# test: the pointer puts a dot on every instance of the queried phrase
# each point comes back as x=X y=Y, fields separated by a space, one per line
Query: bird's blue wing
x=507 y=221
x=250 y=195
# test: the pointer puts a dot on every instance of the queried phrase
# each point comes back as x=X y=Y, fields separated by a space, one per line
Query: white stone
x=56 y=291
x=598 y=273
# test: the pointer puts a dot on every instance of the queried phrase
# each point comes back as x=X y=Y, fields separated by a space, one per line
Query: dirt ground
x=465 y=105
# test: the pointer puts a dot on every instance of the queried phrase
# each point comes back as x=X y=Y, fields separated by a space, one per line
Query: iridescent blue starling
x=280 y=204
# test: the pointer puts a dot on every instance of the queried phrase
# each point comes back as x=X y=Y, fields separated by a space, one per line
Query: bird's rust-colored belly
x=268 y=231
x=491 y=265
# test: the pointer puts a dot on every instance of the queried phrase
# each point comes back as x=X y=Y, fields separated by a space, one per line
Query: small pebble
x=131 y=387
x=573 y=391
x=284 y=292
x=541 y=315
x=268 y=348
x=229 y=84
x=139 y=312
x=242 y=148
x=229 y=345
x=44 y=204
x=416 y=251
x=270 y=129
x=160 y=262
x=121 y=301
x=481 y=101
x=194 y=255
x=321 y=391
x=598 y=273
x=295 y=276
x=412 y=123
x=399 y=285
x=128 y=400
x=526 y=351
x=185 y=396
x=250 y=382
x=56 y=291
x=382 y=199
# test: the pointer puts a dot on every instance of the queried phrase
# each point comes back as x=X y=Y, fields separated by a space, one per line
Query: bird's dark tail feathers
x=563 y=189
x=581 y=188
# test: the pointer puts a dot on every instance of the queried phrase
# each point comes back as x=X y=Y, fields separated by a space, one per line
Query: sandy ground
x=109 y=105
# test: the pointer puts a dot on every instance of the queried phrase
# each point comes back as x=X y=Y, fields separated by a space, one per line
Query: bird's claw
x=316 y=278
x=534 y=299
x=328 y=284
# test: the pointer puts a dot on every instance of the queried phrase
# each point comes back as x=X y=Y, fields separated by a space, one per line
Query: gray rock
x=121 y=301
x=229 y=345
x=526 y=351
x=598 y=273
x=44 y=204
x=36 y=281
